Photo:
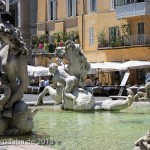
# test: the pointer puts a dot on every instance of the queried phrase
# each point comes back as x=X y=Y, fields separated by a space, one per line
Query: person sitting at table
x=88 y=82
x=96 y=82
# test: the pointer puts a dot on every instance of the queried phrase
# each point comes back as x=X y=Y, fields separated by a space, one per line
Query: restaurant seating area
x=33 y=90
x=106 y=90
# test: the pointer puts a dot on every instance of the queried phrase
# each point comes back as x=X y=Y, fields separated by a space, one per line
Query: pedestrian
x=46 y=82
x=41 y=84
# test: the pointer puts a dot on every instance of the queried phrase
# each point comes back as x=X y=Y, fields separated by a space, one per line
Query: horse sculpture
x=78 y=65
x=81 y=99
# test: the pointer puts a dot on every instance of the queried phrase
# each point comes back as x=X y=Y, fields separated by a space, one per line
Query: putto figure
x=60 y=76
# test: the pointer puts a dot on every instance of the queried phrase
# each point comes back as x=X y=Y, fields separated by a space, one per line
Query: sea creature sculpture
x=118 y=104
x=68 y=85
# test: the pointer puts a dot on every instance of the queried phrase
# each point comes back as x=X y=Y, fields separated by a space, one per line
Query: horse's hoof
x=39 y=103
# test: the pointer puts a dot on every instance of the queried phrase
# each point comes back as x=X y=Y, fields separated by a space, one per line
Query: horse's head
x=67 y=50
x=60 y=52
x=69 y=47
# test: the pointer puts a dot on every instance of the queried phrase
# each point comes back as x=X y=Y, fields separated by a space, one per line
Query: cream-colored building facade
x=109 y=30
x=91 y=17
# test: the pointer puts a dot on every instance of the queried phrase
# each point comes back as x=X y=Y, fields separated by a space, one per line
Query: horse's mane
x=78 y=53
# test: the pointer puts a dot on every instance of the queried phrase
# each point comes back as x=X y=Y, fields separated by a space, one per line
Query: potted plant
x=102 y=39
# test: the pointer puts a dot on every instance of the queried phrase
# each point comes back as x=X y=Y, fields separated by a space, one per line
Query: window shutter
x=96 y=5
x=92 y=35
x=74 y=7
x=112 y=4
x=110 y=33
x=49 y=9
x=89 y=5
x=117 y=31
x=89 y=36
x=54 y=10
x=67 y=1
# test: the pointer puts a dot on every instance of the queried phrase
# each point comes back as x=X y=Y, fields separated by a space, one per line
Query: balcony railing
x=125 y=10
x=129 y=40
x=138 y=39
x=126 y=2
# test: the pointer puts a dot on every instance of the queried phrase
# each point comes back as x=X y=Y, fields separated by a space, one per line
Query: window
x=14 y=10
x=140 y=37
x=92 y=5
x=113 y=32
x=71 y=7
x=51 y=9
x=114 y=37
x=130 y=1
x=140 y=0
x=120 y=2
x=91 y=36
x=141 y=28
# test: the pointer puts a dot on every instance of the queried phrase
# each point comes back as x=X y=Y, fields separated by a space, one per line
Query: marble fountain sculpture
x=143 y=143
x=15 y=115
x=144 y=94
x=68 y=84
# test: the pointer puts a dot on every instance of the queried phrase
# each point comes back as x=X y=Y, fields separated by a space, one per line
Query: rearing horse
x=78 y=65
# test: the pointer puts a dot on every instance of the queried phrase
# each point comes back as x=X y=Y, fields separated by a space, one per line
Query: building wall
x=104 y=18
x=27 y=18
x=118 y=54
x=42 y=11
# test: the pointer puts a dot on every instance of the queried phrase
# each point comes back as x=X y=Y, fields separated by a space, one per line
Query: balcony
x=128 y=40
x=127 y=10
x=137 y=39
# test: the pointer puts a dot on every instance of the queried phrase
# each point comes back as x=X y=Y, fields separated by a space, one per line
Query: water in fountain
x=90 y=130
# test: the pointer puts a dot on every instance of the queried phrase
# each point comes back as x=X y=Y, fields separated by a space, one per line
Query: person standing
x=46 y=82
x=41 y=84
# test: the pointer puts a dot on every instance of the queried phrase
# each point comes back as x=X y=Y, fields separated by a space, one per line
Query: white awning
x=107 y=66
x=37 y=71
x=40 y=71
x=135 y=65
x=115 y=66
